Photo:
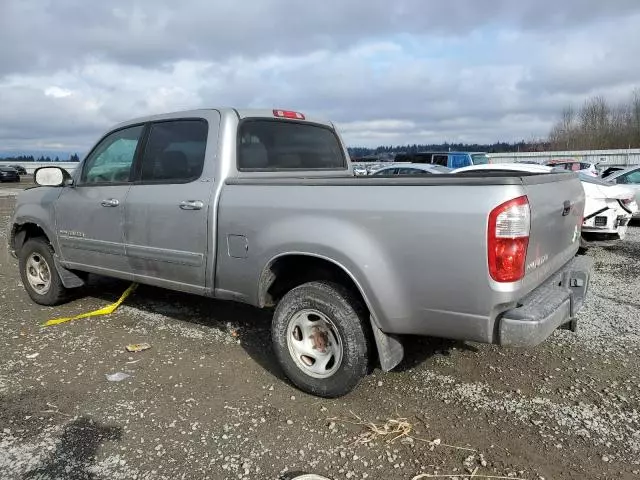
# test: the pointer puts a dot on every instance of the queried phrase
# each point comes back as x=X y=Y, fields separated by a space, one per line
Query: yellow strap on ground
x=102 y=311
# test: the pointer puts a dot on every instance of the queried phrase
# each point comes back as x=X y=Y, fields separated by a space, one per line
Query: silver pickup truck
x=262 y=207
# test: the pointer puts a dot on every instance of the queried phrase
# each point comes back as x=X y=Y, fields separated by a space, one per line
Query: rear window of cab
x=281 y=145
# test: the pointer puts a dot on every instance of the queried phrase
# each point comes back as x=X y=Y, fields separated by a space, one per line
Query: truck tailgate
x=557 y=207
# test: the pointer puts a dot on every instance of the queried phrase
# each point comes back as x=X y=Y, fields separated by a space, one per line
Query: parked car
x=446 y=159
x=20 y=169
x=261 y=207
x=413 y=169
x=608 y=210
x=359 y=170
x=574 y=166
x=8 y=174
x=374 y=167
x=630 y=178
x=509 y=167
x=608 y=207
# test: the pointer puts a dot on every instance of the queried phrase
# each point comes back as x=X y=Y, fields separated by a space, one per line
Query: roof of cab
x=239 y=113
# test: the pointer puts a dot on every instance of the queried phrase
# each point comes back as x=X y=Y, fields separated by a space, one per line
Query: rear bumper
x=552 y=305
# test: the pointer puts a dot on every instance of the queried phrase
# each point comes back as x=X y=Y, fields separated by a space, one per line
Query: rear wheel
x=319 y=334
x=39 y=275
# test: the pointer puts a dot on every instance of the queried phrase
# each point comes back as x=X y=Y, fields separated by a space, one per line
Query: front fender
x=349 y=246
x=36 y=206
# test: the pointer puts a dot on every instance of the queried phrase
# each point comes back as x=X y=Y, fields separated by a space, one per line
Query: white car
x=359 y=171
x=574 y=166
x=608 y=207
x=629 y=178
x=412 y=169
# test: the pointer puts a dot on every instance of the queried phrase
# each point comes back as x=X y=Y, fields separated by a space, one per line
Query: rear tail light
x=288 y=114
x=629 y=204
x=508 y=239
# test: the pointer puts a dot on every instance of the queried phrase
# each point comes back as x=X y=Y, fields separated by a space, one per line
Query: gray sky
x=407 y=71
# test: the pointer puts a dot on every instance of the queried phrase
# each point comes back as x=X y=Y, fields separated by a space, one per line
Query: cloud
x=57 y=92
x=386 y=72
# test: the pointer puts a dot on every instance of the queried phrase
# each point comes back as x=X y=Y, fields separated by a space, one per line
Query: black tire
x=57 y=293
x=350 y=318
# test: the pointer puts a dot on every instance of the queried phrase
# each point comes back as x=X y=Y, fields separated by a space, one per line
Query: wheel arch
x=291 y=269
x=21 y=232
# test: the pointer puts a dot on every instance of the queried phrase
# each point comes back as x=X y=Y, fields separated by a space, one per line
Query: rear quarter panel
x=418 y=253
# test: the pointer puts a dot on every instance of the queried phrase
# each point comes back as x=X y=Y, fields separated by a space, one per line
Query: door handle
x=191 y=205
x=110 y=202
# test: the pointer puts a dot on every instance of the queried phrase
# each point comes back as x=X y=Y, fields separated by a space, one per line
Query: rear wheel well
x=290 y=271
x=22 y=233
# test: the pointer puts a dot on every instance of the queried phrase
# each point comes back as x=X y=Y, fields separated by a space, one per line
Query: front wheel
x=39 y=275
x=319 y=334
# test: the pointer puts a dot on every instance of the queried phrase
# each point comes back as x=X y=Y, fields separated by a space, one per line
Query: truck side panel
x=419 y=258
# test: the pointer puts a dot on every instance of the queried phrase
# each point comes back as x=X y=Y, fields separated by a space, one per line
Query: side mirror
x=52 y=177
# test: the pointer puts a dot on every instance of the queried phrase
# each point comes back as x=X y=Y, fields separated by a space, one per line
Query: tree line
x=31 y=158
x=598 y=125
x=497 y=147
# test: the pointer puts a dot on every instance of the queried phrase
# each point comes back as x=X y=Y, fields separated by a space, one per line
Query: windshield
x=479 y=159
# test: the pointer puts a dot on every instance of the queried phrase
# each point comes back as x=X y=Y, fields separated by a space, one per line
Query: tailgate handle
x=566 y=208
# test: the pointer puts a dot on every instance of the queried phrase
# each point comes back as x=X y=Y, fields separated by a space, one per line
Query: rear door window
x=421 y=158
x=265 y=144
x=441 y=160
x=479 y=159
x=175 y=151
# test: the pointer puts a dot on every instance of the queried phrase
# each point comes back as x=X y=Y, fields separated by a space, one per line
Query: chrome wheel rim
x=38 y=273
x=314 y=343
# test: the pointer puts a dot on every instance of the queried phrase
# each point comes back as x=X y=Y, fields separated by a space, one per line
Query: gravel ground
x=208 y=401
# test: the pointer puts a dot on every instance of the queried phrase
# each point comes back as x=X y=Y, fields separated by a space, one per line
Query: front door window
x=110 y=162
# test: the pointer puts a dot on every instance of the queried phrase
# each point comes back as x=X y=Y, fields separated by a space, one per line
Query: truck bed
x=419 y=255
